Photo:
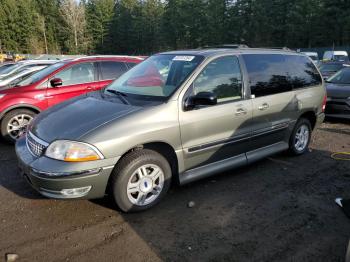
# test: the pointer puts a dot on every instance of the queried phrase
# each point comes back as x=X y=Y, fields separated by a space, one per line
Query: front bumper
x=338 y=107
x=62 y=180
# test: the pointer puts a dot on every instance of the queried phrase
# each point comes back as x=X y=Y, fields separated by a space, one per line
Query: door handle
x=240 y=111
x=264 y=106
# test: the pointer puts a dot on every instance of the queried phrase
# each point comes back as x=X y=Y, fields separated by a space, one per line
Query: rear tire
x=140 y=180
x=15 y=123
x=300 y=139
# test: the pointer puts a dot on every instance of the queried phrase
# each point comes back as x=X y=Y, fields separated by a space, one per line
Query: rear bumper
x=62 y=180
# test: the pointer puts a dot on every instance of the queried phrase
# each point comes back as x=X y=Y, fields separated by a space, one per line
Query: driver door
x=76 y=80
x=213 y=133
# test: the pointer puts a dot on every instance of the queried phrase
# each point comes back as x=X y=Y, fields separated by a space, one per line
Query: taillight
x=324 y=103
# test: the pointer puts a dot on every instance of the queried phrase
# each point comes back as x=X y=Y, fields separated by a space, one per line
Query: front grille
x=35 y=145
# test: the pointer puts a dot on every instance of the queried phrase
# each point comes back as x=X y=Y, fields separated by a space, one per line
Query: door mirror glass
x=201 y=99
x=56 y=82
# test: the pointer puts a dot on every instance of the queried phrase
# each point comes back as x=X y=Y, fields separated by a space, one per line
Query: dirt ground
x=279 y=209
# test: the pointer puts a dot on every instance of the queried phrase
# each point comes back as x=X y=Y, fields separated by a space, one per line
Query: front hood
x=338 y=90
x=74 y=118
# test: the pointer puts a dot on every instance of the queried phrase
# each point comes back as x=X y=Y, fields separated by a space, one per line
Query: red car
x=55 y=84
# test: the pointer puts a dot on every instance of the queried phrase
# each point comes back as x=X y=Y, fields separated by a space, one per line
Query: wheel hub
x=146 y=185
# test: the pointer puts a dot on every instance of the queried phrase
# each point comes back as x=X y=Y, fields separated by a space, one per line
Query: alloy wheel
x=17 y=125
x=145 y=185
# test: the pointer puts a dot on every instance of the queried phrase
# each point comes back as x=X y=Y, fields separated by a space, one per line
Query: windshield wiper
x=120 y=95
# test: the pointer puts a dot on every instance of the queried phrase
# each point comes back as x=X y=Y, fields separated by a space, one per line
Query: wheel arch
x=162 y=148
x=311 y=116
x=20 y=106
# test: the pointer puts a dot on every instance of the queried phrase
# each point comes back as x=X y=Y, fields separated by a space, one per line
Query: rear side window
x=274 y=73
x=112 y=70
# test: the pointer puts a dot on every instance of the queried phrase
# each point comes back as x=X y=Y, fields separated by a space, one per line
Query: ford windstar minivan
x=177 y=116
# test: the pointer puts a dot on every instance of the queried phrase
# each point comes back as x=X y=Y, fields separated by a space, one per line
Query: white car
x=12 y=79
x=25 y=64
x=312 y=55
x=336 y=55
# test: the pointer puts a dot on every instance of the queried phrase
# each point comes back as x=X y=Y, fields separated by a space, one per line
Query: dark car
x=328 y=69
x=338 y=94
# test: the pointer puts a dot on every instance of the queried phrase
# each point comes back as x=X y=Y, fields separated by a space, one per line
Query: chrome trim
x=39 y=173
x=37 y=139
x=238 y=138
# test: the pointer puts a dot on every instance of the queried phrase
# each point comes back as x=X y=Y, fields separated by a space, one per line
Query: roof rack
x=108 y=56
x=228 y=46
x=280 y=48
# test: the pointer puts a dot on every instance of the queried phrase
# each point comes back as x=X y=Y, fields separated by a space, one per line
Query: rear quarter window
x=276 y=73
x=112 y=70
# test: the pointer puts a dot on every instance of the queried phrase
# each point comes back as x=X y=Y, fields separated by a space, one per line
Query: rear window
x=274 y=73
x=112 y=70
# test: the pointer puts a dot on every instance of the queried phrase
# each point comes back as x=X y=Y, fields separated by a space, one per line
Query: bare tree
x=73 y=13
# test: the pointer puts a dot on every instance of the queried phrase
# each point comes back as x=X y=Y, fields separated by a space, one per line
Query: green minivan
x=176 y=117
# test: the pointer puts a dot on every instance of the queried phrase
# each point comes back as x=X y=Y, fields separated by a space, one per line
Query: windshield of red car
x=41 y=74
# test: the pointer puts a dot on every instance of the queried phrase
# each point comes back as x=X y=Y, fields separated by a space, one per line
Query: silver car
x=176 y=117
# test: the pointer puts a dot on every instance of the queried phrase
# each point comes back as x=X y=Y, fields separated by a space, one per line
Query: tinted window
x=222 y=77
x=273 y=73
x=342 y=77
x=112 y=70
x=77 y=74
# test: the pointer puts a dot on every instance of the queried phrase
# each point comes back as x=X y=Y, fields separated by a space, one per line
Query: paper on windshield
x=183 y=58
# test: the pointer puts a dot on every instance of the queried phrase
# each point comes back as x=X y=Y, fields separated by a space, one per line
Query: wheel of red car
x=15 y=123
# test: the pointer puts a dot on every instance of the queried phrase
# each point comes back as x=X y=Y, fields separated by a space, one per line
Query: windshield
x=3 y=67
x=330 y=67
x=342 y=77
x=17 y=72
x=158 y=76
x=9 y=69
x=40 y=74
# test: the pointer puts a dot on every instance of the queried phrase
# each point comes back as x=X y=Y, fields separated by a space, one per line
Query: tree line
x=149 y=26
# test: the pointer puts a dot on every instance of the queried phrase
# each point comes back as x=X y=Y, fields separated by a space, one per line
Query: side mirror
x=201 y=99
x=56 y=82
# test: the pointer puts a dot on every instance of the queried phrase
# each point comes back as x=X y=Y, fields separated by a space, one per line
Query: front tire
x=15 y=124
x=140 y=180
x=300 y=138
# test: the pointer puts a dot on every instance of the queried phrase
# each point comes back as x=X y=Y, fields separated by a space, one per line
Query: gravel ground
x=279 y=209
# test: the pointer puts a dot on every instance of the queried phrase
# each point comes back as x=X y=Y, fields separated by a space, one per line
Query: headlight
x=2 y=95
x=70 y=151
